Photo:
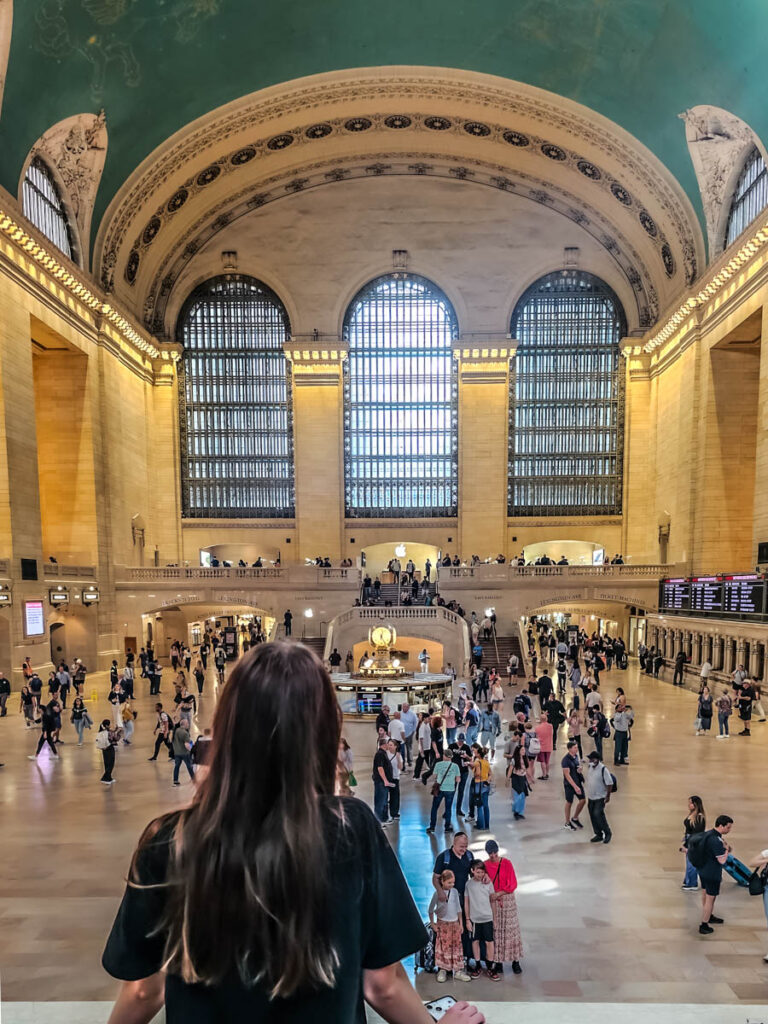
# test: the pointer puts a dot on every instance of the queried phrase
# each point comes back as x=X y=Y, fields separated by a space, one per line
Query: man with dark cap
x=598 y=785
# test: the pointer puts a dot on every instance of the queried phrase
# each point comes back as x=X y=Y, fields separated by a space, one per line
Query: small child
x=445 y=918
x=477 y=904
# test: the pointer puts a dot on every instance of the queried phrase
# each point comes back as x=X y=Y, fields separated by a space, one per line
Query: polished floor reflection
x=601 y=924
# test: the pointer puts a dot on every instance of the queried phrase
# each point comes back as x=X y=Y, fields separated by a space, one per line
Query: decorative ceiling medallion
x=516 y=138
x=318 y=131
x=648 y=223
x=668 y=260
x=553 y=152
x=358 y=124
x=477 y=128
x=397 y=121
x=620 y=193
x=151 y=230
x=132 y=267
x=242 y=156
x=209 y=175
x=177 y=200
x=589 y=170
x=437 y=124
x=280 y=141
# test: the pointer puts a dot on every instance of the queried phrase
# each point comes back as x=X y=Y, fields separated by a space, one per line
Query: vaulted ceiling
x=155 y=65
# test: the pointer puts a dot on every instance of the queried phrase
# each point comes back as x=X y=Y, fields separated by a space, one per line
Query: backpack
x=696 y=849
x=605 y=728
x=614 y=785
x=102 y=739
x=534 y=745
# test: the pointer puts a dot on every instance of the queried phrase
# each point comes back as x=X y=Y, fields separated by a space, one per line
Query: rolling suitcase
x=739 y=872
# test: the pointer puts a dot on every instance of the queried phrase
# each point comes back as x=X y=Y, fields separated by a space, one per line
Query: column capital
x=484 y=359
x=316 y=359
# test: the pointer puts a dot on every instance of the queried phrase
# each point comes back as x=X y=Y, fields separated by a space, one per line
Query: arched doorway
x=378 y=556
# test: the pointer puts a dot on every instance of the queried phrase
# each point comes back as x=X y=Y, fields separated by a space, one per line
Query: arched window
x=42 y=204
x=750 y=196
x=400 y=412
x=236 y=414
x=566 y=430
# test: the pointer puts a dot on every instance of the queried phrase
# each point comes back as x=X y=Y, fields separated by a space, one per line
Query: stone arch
x=329 y=128
x=6 y=24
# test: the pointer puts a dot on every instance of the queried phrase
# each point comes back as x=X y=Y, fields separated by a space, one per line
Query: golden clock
x=382 y=636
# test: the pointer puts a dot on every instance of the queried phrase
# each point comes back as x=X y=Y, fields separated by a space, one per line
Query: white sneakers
x=442 y=975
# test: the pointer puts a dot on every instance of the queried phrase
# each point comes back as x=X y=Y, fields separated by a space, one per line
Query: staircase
x=506 y=645
x=390 y=592
x=314 y=643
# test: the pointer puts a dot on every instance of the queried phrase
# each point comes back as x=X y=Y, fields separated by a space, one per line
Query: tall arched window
x=42 y=204
x=400 y=413
x=566 y=430
x=236 y=416
x=750 y=195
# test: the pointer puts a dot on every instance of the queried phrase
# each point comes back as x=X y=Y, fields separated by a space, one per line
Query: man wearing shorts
x=573 y=783
x=716 y=853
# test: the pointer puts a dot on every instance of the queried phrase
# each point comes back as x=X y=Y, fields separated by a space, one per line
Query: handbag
x=758 y=881
x=697 y=724
x=352 y=779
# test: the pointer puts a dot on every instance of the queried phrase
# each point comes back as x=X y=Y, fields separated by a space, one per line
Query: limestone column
x=718 y=660
x=484 y=381
x=318 y=446
x=639 y=528
x=164 y=460
x=754 y=659
x=740 y=653
x=760 y=508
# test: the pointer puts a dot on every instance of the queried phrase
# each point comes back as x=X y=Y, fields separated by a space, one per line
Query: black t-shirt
x=448 y=861
x=459 y=749
x=381 y=760
x=545 y=688
x=572 y=764
x=713 y=847
x=436 y=737
x=374 y=922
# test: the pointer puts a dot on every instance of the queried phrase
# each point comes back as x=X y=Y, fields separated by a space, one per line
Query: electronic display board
x=674 y=596
x=744 y=595
x=706 y=594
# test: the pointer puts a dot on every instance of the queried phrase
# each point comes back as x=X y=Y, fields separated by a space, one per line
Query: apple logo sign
x=400 y=550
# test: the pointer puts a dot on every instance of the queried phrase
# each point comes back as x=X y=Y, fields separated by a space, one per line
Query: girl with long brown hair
x=269 y=899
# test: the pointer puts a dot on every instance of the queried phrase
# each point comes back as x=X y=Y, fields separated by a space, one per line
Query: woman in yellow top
x=481 y=784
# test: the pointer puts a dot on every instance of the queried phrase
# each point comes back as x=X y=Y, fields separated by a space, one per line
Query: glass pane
x=749 y=197
x=566 y=399
x=236 y=418
x=42 y=206
x=401 y=437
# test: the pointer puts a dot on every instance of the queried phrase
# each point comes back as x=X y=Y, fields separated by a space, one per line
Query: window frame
x=393 y=506
x=740 y=200
x=227 y=407
x=55 y=205
x=522 y=438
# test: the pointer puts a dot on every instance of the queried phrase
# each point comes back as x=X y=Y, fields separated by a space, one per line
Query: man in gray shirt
x=410 y=723
x=598 y=783
x=623 y=717
x=182 y=749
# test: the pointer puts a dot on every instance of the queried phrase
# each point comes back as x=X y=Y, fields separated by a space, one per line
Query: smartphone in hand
x=438 y=1008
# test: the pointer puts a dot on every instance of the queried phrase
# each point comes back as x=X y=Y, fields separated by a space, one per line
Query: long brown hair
x=248 y=874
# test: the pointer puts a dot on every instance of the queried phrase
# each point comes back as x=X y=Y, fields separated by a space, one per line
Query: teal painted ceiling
x=154 y=65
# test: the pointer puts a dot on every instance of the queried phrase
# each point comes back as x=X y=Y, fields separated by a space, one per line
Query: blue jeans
x=691 y=875
x=178 y=760
x=442 y=796
x=380 y=800
x=482 y=789
x=518 y=803
x=722 y=721
x=472 y=731
x=621 y=746
x=451 y=733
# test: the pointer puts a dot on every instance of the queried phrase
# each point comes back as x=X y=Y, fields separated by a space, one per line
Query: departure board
x=706 y=594
x=674 y=595
x=744 y=595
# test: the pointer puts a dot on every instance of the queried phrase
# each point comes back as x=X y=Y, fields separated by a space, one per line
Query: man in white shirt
x=424 y=660
x=410 y=724
x=396 y=731
x=393 y=792
x=706 y=670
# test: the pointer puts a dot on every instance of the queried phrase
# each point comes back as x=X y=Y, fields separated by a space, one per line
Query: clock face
x=382 y=636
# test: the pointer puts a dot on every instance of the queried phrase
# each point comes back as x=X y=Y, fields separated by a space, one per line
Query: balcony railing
x=299 y=575
x=487 y=571
x=55 y=571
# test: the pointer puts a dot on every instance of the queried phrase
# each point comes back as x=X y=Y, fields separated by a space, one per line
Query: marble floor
x=601 y=924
